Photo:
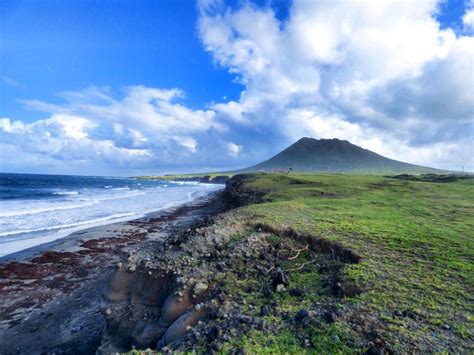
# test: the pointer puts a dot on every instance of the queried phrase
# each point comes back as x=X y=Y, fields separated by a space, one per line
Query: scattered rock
x=216 y=346
x=280 y=278
x=214 y=333
x=297 y=292
x=303 y=314
x=265 y=310
x=280 y=288
x=307 y=343
x=374 y=350
x=398 y=313
x=410 y=314
x=330 y=317
x=245 y=319
x=200 y=288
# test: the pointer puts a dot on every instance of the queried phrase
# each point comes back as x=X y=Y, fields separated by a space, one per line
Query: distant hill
x=334 y=155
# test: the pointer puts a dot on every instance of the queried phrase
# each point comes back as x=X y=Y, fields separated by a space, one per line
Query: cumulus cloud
x=143 y=128
x=234 y=149
x=468 y=17
x=383 y=75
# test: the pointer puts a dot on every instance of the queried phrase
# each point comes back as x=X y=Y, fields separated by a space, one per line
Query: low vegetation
x=320 y=263
x=416 y=275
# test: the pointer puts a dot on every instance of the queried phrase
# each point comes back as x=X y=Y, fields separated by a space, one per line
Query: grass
x=178 y=177
x=417 y=243
x=289 y=338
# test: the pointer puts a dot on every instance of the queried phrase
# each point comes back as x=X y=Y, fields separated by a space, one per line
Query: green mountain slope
x=334 y=155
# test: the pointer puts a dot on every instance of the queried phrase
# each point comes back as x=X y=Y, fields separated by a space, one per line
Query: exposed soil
x=170 y=293
x=50 y=302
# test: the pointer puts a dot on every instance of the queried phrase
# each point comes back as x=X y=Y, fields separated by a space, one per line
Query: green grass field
x=417 y=272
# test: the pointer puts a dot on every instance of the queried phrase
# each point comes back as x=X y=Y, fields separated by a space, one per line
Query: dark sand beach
x=50 y=295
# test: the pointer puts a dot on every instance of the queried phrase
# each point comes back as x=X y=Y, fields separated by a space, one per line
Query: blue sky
x=125 y=87
x=51 y=46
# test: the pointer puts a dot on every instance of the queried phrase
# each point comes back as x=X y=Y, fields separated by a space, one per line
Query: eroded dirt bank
x=205 y=287
x=243 y=281
x=50 y=300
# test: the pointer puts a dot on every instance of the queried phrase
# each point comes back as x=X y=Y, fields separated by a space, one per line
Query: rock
x=265 y=310
x=280 y=278
x=214 y=333
x=398 y=313
x=373 y=350
x=245 y=319
x=216 y=346
x=297 y=292
x=306 y=321
x=410 y=314
x=446 y=326
x=335 y=339
x=280 y=288
x=330 y=317
x=200 y=288
x=301 y=315
x=304 y=313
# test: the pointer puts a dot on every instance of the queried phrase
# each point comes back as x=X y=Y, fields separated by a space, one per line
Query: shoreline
x=72 y=235
x=50 y=294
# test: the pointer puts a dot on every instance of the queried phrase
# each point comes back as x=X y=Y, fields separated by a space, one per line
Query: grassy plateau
x=416 y=275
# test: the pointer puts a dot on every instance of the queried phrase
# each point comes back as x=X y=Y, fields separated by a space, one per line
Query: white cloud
x=146 y=128
x=468 y=17
x=381 y=74
x=187 y=142
x=234 y=149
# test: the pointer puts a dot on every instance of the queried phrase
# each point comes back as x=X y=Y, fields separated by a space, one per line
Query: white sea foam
x=58 y=207
x=70 y=225
x=27 y=223
x=66 y=193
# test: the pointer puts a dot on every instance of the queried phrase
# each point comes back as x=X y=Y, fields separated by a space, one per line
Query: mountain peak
x=333 y=154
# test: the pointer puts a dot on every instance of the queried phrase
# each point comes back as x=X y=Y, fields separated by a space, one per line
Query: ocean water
x=36 y=209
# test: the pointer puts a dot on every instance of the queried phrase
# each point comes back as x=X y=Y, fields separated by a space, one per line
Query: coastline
x=52 y=292
x=238 y=273
x=65 y=242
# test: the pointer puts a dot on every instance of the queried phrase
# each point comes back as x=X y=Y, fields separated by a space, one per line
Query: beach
x=50 y=294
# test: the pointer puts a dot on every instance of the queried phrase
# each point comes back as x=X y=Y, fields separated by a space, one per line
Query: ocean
x=37 y=209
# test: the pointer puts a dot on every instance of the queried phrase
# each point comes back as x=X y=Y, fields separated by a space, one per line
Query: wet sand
x=50 y=294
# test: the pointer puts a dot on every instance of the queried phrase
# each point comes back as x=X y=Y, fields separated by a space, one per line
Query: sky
x=141 y=87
